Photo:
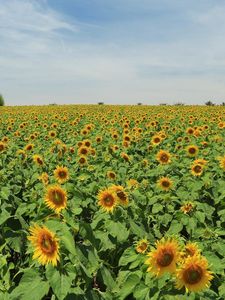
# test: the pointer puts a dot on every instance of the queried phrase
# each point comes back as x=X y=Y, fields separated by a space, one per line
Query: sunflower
x=156 y=140
x=192 y=249
x=132 y=183
x=200 y=161
x=193 y=274
x=190 y=130
x=21 y=154
x=82 y=160
x=165 y=183
x=29 y=147
x=44 y=178
x=45 y=243
x=163 y=157
x=107 y=199
x=52 y=134
x=197 y=169
x=187 y=207
x=38 y=160
x=56 y=198
x=83 y=150
x=192 y=150
x=222 y=162
x=111 y=175
x=61 y=174
x=2 y=146
x=125 y=156
x=121 y=195
x=98 y=139
x=142 y=246
x=164 y=257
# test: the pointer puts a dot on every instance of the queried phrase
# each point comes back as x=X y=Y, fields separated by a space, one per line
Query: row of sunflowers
x=112 y=202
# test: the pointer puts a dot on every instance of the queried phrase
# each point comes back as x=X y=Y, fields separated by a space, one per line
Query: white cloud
x=44 y=55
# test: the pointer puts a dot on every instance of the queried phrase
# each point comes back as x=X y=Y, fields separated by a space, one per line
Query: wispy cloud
x=126 y=51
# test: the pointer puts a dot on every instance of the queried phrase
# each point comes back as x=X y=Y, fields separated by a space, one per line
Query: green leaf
x=107 y=278
x=59 y=282
x=175 y=227
x=4 y=216
x=68 y=241
x=128 y=256
x=157 y=208
x=128 y=286
x=31 y=286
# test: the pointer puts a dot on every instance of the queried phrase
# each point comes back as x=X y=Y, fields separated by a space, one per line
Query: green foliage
x=97 y=249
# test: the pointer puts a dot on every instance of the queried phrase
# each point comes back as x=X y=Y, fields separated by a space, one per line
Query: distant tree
x=209 y=103
x=52 y=104
x=2 y=101
x=223 y=104
x=179 y=104
x=162 y=104
x=139 y=103
x=100 y=103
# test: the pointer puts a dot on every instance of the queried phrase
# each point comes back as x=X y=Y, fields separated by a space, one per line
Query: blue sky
x=116 y=51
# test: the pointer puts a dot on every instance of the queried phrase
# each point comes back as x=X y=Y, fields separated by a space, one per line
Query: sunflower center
x=165 y=259
x=192 y=150
x=166 y=183
x=62 y=174
x=57 y=197
x=47 y=244
x=83 y=151
x=197 y=169
x=82 y=160
x=143 y=246
x=108 y=200
x=193 y=275
x=156 y=140
x=164 y=158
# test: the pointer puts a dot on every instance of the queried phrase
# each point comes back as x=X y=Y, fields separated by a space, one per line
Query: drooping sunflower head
x=122 y=196
x=21 y=153
x=107 y=199
x=192 y=249
x=192 y=150
x=38 y=160
x=2 y=146
x=193 y=274
x=56 y=198
x=44 y=178
x=125 y=156
x=142 y=246
x=165 y=183
x=45 y=243
x=29 y=147
x=164 y=258
x=132 y=183
x=197 y=169
x=61 y=174
x=200 y=161
x=163 y=157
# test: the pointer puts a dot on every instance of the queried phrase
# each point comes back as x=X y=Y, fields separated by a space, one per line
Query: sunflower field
x=112 y=202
